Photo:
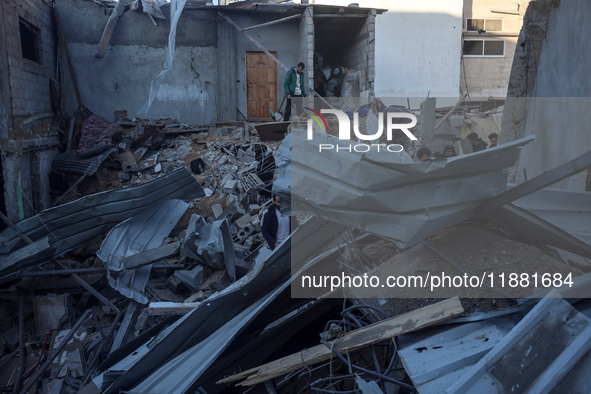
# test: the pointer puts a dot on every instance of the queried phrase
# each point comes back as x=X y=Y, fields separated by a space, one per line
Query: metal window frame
x=485 y=19
x=484 y=40
x=37 y=32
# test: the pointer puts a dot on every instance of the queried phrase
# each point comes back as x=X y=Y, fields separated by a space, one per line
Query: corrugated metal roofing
x=388 y=194
x=179 y=374
x=70 y=162
x=144 y=231
x=535 y=356
x=82 y=220
x=26 y=257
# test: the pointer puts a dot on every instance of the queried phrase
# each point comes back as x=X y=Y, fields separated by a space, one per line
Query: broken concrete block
x=238 y=132
x=457 y=121
x=226 y=178
x=230 y=187
x=231 y=200
x=254 y=209
x=149 y=162
x=217 y=211
x=53 y=386
x=71 y=358
x=174 y=284
x=246 y=159
x=245 y=232
x=124 y=177
x=191 y=278
x=254 y=179
x=51 y=311
x=243 y=221
x=127 y=160
x=223 y=160
x=256 y=223
x=205 y=181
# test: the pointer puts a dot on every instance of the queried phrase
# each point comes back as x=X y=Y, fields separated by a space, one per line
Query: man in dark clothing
x=477 y=143
x=294 y=87
x=449 y=151
x=276 y=228
x=424 y=154
x=493 y=139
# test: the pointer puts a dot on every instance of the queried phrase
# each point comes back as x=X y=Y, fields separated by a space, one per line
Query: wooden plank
x=451 y=111
x=354 y=340
x=296 y=16
x=111 y=23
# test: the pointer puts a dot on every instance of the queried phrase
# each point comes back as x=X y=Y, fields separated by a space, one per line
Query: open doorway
x=343 y=50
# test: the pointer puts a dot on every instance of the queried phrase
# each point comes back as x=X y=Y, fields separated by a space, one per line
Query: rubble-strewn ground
x=236 y=170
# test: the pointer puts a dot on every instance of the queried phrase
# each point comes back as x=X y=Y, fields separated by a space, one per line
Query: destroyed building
x=138 y=160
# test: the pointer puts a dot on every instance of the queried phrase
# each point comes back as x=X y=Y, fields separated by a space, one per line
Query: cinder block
x=243 y=221
x=230 y=187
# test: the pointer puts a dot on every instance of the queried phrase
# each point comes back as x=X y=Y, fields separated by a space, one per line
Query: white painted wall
x=418 y=47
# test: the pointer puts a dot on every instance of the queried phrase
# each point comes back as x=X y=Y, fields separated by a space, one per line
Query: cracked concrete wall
x=557 y=111
x=122 y=78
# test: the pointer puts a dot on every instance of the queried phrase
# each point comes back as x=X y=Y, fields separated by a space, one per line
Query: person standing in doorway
x=294 y=87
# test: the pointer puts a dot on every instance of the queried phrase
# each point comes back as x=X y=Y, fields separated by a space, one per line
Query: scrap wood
x=179 y=131
x=111 y=23
x=408 y=322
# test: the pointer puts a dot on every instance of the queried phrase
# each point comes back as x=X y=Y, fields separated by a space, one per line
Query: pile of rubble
x=151 y=274
x=167 y=258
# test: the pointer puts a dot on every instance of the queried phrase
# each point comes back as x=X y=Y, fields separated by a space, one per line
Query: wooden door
x=261 y=85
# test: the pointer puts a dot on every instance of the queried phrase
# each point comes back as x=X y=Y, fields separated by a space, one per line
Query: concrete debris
x=71 y=360
x=192 y=278
x=195 y=296
x=51 y=312
x=141 y=233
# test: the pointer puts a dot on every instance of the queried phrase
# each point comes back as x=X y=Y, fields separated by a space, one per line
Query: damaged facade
x=142 y=266
x=28 y=94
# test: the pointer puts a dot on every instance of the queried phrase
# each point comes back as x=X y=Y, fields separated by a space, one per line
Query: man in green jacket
x=294 y=87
